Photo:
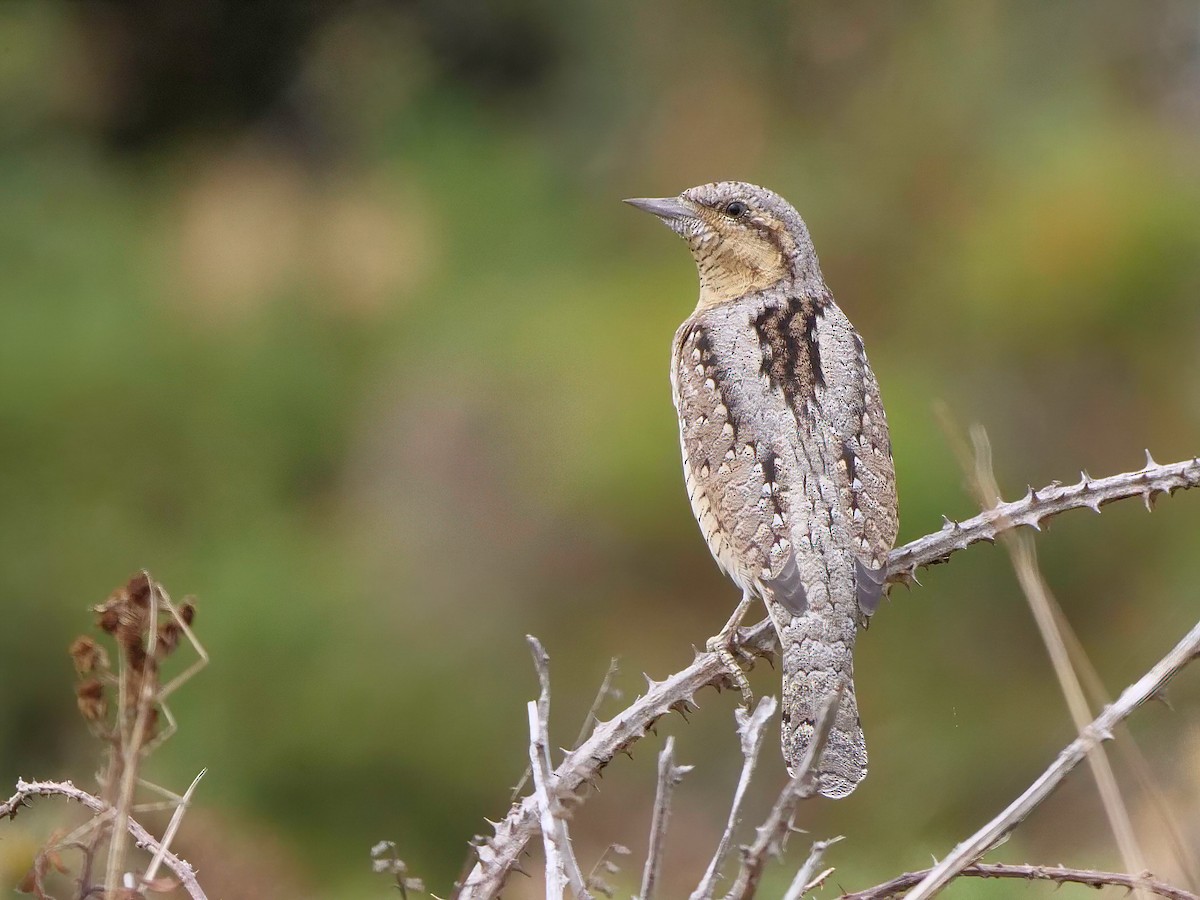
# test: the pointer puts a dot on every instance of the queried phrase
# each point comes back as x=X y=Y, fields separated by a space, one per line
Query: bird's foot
x=726 y=644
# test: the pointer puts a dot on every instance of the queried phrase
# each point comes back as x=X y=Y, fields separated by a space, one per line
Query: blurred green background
x=329 y=314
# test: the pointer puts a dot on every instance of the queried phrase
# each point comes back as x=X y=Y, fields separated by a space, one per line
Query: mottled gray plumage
x=786 y=453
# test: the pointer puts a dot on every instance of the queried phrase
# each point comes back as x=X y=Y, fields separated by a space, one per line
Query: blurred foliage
x=328 y=314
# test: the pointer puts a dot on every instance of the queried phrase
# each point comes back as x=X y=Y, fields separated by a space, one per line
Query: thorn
x=516 y=867
x=1035 y=525
x=1094 y=506
x=1084 y=476
x=1033 y=495
x=1148 y=499
x=1029 y=494
x=1150 y=463
x=649 y=682
x=947 y=523
x=1161 y=697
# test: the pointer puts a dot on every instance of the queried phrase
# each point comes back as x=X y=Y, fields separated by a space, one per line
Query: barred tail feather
x=811 y=672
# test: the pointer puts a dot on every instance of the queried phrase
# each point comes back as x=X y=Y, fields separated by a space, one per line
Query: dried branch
x=498 y=855
x=804 y=880
x=1099 y=730
x=145 y=840
x=669 y=775
x=751 y=727
x=771 y=837
x=1057 y=874
x=561 y=866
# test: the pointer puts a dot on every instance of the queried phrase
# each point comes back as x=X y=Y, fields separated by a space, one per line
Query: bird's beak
x=666 y=208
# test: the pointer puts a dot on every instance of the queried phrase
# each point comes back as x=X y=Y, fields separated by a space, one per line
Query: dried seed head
x=87 y=655
x=89 y=696
x=139 y=589
x=108 y=617
x=168 y=637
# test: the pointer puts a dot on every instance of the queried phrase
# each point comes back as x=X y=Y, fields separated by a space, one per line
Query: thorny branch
x=145 y=840
x=1099 y=730
x=1037 y=506
x=1057 y=874
x=497 y=856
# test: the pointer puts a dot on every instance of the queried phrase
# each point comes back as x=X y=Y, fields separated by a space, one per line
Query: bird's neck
x=724 y=280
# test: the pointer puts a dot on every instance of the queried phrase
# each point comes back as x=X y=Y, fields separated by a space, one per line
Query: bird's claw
x=725 y=645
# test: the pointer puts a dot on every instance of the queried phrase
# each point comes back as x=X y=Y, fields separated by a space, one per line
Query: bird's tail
x=812 y=670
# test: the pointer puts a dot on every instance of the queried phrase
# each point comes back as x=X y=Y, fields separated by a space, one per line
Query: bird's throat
x=728 y=272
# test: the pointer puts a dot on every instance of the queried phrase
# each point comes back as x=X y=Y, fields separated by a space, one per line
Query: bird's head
x=743 y=237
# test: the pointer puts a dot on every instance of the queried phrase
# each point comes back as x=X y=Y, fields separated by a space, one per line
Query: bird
x=786 y=454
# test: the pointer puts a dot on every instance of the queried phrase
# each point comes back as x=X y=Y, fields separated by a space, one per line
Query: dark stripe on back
x=791 y=355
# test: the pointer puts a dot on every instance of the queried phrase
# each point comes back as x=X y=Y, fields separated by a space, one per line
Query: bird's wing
x=851 y=407
x=730 y=466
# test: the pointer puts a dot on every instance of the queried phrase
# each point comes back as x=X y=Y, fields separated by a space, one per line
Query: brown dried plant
x=124 y=706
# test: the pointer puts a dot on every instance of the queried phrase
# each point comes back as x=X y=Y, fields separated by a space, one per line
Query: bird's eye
x=736 y=209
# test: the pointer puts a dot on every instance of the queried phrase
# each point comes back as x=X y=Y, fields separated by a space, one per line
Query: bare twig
x=145 y=840
x=804 y=880
x=751 y=727
x=497 y=856
x=772 y=835
x=605 y=691
x=139 y=684
x=1057 y=874
x=172 y=828
x=1047 y=613
x=669 y=775
x=1099 y=730
x=556 y=869
x=561 y=866
x=605 y=866
x=385 y=860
